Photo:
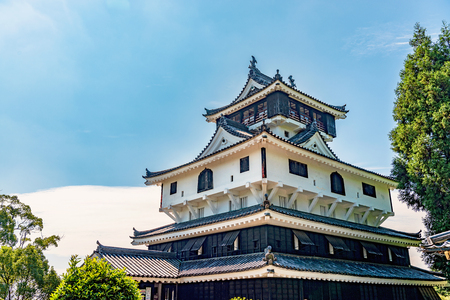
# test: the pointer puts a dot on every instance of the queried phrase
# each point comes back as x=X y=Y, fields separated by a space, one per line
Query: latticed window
x=337 y=183
x=173 y=188
x=298 y=168
x=205 y=181
x=245 y=164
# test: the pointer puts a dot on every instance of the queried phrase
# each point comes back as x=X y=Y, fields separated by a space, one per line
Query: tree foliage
x=24 y=270
x=421 y=137
x=95 y=280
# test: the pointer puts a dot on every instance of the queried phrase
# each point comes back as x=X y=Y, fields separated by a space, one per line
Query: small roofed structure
x=438 y=244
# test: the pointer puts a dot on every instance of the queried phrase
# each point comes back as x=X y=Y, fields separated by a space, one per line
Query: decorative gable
x=317 y=144
x=221 y=139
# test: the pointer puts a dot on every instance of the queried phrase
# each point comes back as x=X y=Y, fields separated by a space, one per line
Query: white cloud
x=85 y=214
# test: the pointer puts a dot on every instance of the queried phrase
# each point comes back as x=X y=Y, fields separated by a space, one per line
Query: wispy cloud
x=381 y=38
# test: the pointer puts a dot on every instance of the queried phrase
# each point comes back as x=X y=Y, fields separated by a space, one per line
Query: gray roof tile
x=256 y=208
x=162 y=266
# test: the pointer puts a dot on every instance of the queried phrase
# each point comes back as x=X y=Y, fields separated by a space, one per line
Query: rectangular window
x=297 y=168
x=173 y=188
x=286 y=134
x=255 y=244
x=283 y=201
x=243 y=201
x=245 y=164
x=369 y=190
x=201 y=212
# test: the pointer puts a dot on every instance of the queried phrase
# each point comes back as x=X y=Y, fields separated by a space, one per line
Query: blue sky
x=93 y=92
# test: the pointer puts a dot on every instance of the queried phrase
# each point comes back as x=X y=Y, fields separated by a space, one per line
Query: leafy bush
x=95 y=280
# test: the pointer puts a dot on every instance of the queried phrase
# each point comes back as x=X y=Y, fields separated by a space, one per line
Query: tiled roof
x=256 y=208
x=353 y=268
x=219 y=265
x=230 y=126
x=265 y=80
x=199 y=222
x=305 y=135
x=154 y=174
x=141 y=263
x=343 y=223
x=155 y=265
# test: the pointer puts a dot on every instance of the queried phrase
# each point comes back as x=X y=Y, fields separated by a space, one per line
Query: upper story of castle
x=285 y=110
x=271 y=144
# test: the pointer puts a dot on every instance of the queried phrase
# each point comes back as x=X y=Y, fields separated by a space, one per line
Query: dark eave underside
x=286 y=211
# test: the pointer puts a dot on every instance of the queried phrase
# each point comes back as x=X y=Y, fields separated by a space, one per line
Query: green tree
x=95 y=280
x=24 y=270
x=421 y=137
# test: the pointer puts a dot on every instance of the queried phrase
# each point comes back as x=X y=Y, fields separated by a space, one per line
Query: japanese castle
x=268 y=211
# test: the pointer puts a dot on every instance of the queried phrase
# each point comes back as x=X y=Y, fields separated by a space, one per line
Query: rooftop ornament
x=278 y=76
x=291 y=80
x=269 y=257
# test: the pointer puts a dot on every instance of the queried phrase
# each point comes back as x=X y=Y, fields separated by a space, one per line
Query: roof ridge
x=102 y=249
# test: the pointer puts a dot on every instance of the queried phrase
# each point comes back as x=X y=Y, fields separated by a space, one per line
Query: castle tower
x=268 y=211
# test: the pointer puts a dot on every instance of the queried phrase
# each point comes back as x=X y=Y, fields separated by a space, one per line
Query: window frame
x=366 y=185
x=244 y=164
x=173 y=188
x=336 y=176
x=299 y=173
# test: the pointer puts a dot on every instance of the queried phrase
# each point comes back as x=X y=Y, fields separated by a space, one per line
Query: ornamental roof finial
x=291 y=80
x=278 y=76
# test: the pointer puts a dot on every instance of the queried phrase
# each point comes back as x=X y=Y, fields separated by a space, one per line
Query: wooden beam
x=275 y=190
x=164 y=210
x=191 y=209
x=175 y=213
x=349 y=211
x=383 y=219
x=378 y=219
x=333 y=206
x=264 y=187
x=294 y=197
x=232 y=198
x=256 y=193
x=211 y=204
x=366 y=214
x=314 y=202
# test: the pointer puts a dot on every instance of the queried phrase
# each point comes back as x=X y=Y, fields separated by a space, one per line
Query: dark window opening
x=278 y=243
x=293 y=112
x=173 y=188
x=369 y=190
x=255 y=244
x=205 y=181
x=245 y=164
x=231 y=178
x=286 y=133
x=337 y=183
x=297 y=168
x=336 y=243
x=249 y=116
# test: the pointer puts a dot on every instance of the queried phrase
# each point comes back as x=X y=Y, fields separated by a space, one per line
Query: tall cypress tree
x=421 y=137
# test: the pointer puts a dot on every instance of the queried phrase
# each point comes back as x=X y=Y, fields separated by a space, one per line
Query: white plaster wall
x=222 y=172
x=278 y=170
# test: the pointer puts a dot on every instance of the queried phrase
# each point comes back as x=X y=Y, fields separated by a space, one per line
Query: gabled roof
x=240 y=131
x=312 y=131
x=256 y=75
x=154 y=266
x=257 y=208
